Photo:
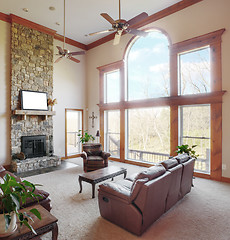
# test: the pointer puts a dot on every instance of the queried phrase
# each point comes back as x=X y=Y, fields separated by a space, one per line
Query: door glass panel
x=148 y=134
x=195 y=130
x=112 y=132
x=73 y=125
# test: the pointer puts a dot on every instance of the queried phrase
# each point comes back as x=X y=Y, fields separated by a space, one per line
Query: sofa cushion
x=94 y=158
x=151 y=172
x=93 y=149
x=136 y=187
x=169 y=163
x=181 y=158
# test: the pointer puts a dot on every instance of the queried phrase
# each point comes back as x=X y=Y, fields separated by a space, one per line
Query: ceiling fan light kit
x=65 y=53
x=119 y=26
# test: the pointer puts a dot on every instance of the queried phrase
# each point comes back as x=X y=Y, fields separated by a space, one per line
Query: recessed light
x=51 y=8
x=57 y=23
x=25 y=9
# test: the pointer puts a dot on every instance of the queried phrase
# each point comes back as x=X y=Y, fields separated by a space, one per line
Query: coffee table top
x=100 y=173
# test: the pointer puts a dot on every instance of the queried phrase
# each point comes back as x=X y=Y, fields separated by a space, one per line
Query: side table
x=47 y=223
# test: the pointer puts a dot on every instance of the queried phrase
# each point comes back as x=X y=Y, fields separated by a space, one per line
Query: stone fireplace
x=31 y=69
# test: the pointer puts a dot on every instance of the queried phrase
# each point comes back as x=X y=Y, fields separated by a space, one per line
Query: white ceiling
x=82 y=16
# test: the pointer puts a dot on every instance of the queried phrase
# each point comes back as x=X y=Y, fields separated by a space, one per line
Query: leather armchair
x=93 y=157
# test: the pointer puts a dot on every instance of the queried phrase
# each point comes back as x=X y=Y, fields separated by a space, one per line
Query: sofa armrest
x=83 y=155
x=116 y=190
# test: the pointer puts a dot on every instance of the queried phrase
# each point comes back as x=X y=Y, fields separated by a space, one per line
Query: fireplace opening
x=34 y=146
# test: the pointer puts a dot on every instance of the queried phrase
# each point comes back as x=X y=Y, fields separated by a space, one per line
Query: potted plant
x=85 y=136
x=188 y=150
x=13 y=195
x=51 y=103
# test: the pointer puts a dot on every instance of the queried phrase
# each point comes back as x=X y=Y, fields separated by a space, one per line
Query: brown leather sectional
x=44 y=199
x=136 y=202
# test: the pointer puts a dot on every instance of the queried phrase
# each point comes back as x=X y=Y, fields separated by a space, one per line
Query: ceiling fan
x=121 y=25
x=64 y=53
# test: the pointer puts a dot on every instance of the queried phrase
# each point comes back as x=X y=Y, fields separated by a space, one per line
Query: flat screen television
x=32 y=100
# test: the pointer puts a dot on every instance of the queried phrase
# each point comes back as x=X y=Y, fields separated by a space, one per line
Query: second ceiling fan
x=121 y=25
x=65 y=53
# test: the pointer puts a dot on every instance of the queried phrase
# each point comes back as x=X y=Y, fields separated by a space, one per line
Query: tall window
x=166 y=95
x=148 y=67
x=148 y=137
x=112 y=132
x=195 y=130
x=194 y=69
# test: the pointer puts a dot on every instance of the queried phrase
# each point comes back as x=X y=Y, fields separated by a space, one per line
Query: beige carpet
x=202 y=214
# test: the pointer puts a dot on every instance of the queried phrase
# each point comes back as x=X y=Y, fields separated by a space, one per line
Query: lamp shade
x=98 y=133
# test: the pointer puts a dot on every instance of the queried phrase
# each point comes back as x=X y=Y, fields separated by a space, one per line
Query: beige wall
x=4 y=93
x=199 y=19
x=69 y=89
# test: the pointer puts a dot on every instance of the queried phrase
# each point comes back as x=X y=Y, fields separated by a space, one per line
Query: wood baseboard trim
x=225 y=179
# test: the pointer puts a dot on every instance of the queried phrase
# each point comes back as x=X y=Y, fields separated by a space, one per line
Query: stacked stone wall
x=31 y=69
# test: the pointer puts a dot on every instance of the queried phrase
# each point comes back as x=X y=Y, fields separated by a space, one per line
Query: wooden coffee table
x=46 y=224
x=100 y=175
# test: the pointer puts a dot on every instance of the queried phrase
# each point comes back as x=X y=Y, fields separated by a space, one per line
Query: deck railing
x=201 y=164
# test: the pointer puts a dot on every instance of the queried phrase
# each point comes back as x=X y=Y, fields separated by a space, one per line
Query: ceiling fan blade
x=138 y=18
x=108 y=18
x=77 y=53
x=59 y=59
x=74 y=59
x=137 y=32
x=60 y=50
x=117 y=38
x=105 y=31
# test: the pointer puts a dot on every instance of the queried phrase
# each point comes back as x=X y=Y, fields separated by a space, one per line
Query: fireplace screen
x=34 y=146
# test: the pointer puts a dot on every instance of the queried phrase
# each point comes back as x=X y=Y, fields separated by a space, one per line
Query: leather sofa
x=136 y=202
x=44 y=199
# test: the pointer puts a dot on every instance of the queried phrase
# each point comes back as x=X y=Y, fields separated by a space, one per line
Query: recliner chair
x=93 y=157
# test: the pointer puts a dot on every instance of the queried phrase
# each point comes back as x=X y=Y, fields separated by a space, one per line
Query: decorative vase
x=12 y=227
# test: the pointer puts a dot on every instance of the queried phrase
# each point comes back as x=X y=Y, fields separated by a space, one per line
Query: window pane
x=112 y=87
x=194 y=72
x=74 y=124
x=148 y=67
x=148 y=134
x=112 y=132
x=195 y=130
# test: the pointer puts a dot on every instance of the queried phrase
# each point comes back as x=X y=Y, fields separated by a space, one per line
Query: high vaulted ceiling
x=82 y=16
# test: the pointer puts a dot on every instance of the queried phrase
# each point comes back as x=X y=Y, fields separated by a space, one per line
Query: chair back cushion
x=92 y=149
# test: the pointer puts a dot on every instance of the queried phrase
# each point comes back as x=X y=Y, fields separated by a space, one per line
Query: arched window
x=163 y=95
x=148 y=67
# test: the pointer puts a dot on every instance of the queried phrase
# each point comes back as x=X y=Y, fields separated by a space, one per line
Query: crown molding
x=32 y=25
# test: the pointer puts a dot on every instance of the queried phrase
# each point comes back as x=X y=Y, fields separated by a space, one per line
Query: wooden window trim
x=214 y=98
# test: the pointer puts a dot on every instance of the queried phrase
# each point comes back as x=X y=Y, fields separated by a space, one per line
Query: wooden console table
x=46 y=224
x=100 y=175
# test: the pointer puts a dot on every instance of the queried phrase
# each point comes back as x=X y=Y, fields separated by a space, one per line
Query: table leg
x=55 y=232
x=80 y=183
x=93 y=190
x=125 y=173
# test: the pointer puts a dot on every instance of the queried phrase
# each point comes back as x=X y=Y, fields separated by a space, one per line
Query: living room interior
x=114 y=101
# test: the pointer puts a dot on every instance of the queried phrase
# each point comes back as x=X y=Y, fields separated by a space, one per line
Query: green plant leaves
x=36 y=213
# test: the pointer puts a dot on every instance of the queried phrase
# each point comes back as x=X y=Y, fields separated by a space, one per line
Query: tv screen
x=31 y=100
